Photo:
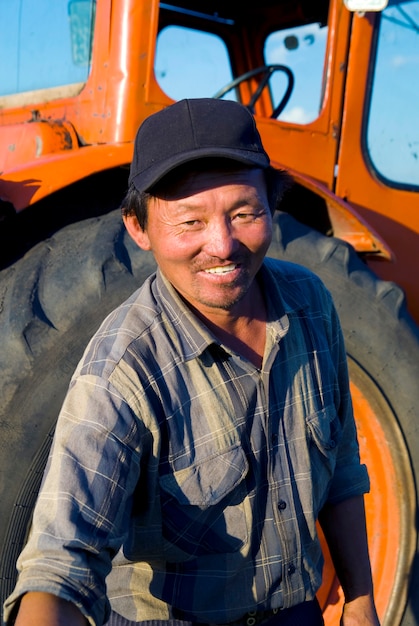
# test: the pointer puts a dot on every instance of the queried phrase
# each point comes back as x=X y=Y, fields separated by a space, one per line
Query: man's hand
x=38 y=608
x=360 y=612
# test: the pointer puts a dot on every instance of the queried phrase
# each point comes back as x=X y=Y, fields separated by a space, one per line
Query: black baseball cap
x=194 y=129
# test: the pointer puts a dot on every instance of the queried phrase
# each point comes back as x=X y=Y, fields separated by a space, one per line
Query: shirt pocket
x=324 y=434
x=204 y=505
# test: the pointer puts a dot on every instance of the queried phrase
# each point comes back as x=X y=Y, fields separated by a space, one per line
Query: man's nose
x=221 y=241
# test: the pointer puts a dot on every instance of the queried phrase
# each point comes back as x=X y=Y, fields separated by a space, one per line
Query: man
x=209 y=424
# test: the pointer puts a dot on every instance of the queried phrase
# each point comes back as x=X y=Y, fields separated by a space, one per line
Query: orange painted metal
x=23 y=143
x=112 y=103
x=106 y=112
x=391 y=212
x=346 y=222
x=28 y=183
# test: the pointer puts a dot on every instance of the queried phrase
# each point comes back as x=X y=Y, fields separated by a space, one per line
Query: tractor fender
x=26 y=184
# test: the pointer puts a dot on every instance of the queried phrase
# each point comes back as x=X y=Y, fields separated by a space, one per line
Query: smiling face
x=209 y=237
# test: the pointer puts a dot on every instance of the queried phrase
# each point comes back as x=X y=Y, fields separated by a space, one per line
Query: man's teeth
x=221 y=269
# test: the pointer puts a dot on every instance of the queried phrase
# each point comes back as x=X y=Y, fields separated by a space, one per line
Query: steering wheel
x=266 y=71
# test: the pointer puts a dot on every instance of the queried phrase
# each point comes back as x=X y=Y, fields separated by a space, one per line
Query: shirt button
x=274 y=439
x=291 y=569
x=282 y=505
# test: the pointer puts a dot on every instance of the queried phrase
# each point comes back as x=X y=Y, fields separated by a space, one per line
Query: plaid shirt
x=188 y=475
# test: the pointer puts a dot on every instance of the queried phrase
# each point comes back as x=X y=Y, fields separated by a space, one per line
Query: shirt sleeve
x=82 y=512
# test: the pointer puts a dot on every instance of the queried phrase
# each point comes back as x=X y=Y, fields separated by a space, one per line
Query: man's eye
x=192 y=224
x=245 y=216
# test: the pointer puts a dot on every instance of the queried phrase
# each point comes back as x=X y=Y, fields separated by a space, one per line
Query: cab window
x=301 y=49
x=392 y=130
x=191 y=63
x=46 y=44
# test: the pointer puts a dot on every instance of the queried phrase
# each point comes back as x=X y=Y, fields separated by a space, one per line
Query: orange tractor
x=333 y=87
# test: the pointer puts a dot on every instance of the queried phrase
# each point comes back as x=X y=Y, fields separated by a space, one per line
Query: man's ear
x=136 y=232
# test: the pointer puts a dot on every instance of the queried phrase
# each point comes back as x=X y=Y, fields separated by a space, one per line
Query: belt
x=251 y=618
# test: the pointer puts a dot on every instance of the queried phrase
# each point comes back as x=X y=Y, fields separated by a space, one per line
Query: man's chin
x=225 y=302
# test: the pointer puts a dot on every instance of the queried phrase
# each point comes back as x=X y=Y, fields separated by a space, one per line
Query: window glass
x=393 y=122
x=46 y=43
x=191 y=63
x=301 y=49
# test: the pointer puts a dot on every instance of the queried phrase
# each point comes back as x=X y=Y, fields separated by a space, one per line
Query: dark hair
x=137 y=202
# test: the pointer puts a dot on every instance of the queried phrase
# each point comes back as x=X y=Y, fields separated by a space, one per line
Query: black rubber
x=53 y=299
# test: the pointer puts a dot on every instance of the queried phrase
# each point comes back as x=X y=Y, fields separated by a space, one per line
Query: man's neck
x=247 y=338
x=243 y=332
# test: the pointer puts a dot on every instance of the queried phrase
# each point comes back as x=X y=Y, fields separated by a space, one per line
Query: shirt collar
x=283 y=299
x=193 y=335
x=281 y=289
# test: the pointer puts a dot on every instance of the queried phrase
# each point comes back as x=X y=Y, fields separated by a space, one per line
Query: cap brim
x=148 y=178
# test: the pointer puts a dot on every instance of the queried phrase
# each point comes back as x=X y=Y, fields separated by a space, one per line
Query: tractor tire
x=53 y=300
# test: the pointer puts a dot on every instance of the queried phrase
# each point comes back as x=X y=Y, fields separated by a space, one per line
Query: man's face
x=209 y=237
